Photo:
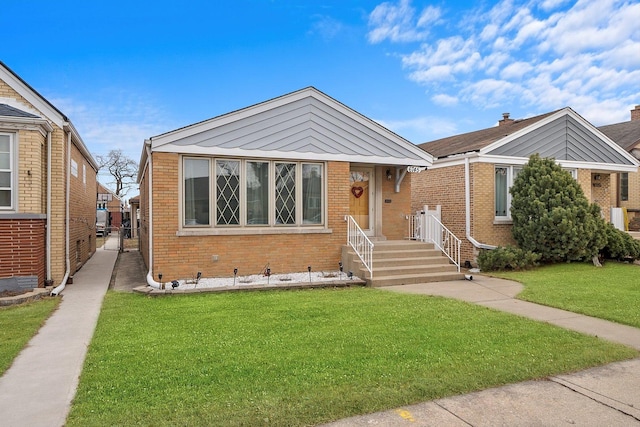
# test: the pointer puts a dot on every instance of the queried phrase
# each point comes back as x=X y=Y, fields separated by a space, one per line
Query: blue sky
x=123 y=71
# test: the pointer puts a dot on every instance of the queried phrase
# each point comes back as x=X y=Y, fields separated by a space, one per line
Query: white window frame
x=510 y=178
x=13 y=172
x=271 y=224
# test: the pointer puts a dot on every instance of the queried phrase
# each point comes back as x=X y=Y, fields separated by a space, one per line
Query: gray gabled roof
x=306 y=124
x=9 y=111
x=563 y=138
x=563 y=135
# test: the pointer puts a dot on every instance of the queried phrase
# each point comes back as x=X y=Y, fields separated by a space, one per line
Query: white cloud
x=444 y=100
x=327 y=27
x=538 y=55
x=397 y=22
x=515 y=70
x=422 y=129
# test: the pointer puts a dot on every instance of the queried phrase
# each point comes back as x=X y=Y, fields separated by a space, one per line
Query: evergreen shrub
x=507 y=258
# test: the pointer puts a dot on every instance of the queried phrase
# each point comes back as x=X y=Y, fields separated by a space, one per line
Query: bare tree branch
x=121 y=168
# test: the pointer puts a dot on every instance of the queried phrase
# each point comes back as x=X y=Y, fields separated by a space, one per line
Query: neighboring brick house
x=472 y=172
x=271 y=184
x=107 y=199
x=47 y=190
x=626 y=191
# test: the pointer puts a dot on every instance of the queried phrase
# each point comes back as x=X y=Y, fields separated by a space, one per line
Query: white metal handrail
x=428 y=228
x=360 y=244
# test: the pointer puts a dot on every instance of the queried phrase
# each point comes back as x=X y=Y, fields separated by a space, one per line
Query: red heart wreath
x=357 y=191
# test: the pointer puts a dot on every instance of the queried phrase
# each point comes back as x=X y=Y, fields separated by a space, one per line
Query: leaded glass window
x=227 y=192
x=285 y=193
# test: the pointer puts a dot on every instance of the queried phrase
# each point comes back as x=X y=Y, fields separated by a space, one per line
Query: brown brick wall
x=181 y=257
x=82 y=212
x=22 y=248
x=601 y=193
x=445 y=187
x=32 y=175
x=484 y=228
x=395 y=206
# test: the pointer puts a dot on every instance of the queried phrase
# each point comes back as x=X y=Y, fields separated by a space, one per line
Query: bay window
x=252 y=193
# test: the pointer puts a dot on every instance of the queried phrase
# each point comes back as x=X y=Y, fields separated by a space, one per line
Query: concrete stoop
x=402 y=262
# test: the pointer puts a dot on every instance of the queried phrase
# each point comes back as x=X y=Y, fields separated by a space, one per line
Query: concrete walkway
x=38 y=388
x=500 y=294
x=603 y=396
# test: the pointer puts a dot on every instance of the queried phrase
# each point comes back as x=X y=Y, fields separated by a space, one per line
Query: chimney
x=635 y=113
x=506 y=120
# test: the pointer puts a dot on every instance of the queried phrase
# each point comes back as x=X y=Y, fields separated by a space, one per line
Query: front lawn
x=611 y=292
x=18 y=324
x=306 y=357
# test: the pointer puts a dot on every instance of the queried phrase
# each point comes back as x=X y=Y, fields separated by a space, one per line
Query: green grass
x=611 y=292
x=18 y=324
x=290 y=358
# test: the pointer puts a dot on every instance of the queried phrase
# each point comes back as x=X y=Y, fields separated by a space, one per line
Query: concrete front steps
x=402 y=262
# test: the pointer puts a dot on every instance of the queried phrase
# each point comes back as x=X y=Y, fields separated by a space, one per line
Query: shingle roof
x=625 y=134
x=9 y=111
x=474 y=141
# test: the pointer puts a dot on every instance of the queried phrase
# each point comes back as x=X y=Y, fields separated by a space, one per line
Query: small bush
x=620 y=245
x=507 y=258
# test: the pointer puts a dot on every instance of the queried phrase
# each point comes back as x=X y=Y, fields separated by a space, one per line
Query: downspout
x=63 y=284
x=467 y=201
x=150 y=280
x=48 y=236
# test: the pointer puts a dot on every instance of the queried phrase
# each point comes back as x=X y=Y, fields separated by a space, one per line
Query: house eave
x=28 y=123
x=476 y=157
x=79 y=143
x=290 y=155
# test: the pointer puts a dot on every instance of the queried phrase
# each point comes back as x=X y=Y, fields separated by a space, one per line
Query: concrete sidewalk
x=38 y=388
x=603 y=396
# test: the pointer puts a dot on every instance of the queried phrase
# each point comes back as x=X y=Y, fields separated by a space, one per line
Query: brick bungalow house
x=47 y=190
x=626 y=191
x=473 y=172
x=273 y=184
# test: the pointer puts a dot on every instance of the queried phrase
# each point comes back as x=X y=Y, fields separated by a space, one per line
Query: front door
x=361 y=198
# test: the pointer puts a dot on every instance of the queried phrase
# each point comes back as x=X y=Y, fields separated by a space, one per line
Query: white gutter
x=63 y=284
x=150 y=280
x=467 y=201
